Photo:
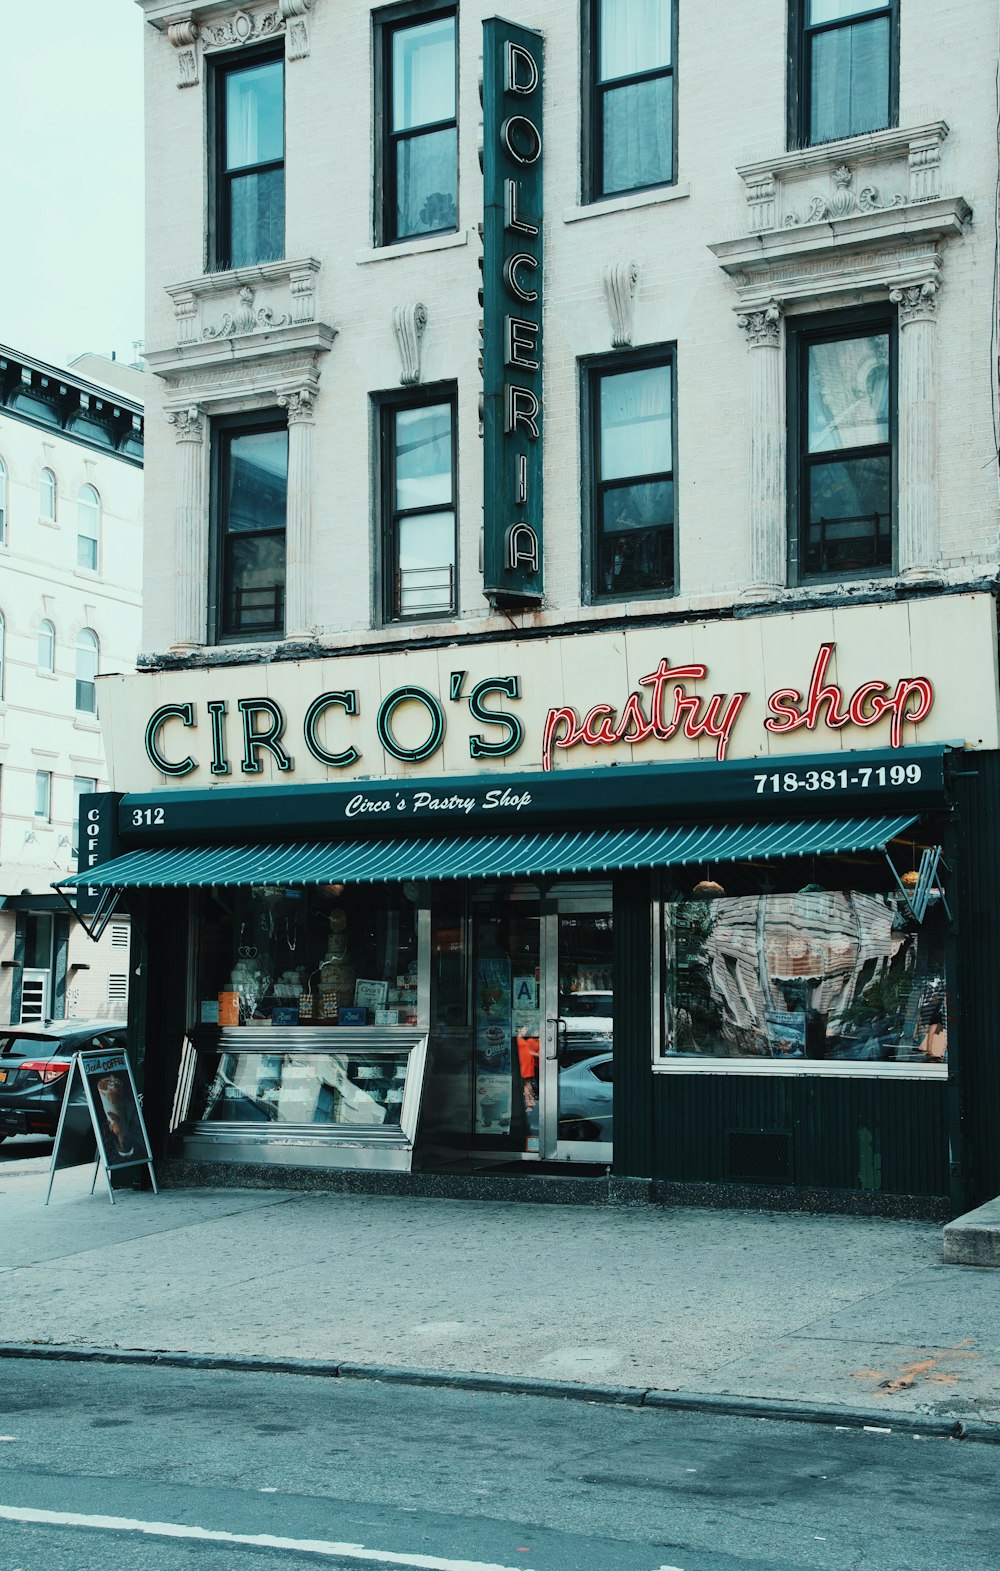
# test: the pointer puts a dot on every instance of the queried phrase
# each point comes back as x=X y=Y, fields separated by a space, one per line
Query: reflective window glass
x=253 y=500
x=87 y=658
x=635 y=36
x=423 y=74
x=255 y=115
x=631 y=109
x=47 y=496
x=420 y=152
x=46 y=646
x=88 y=526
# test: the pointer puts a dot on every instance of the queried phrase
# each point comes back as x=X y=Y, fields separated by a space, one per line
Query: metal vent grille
x=119 y=935
x=759 y=1156
x=117 y=985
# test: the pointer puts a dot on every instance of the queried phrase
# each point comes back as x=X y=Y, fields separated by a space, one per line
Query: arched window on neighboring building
x=87 y=656
x=88 y=527
x=3 y=661
x=46 y=646
x=3 y=503
x=47 y=496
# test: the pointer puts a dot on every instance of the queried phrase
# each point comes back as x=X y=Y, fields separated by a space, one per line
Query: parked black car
x=34 y=1063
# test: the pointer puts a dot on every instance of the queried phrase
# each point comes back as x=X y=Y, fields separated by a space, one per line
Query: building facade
x=71 y=445
x=570 y=736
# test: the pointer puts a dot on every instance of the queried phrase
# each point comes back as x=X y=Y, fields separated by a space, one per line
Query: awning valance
x=487 y=856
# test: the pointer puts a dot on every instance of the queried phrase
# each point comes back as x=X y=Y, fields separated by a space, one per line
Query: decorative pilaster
x=408 y=324
x=298 y=526
x=190 y=528
x=766 y=456
x=184 y=37
x=919 y=547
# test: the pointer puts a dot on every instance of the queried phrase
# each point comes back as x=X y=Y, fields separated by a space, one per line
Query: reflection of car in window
x=588 y=1015
x=586 y=1092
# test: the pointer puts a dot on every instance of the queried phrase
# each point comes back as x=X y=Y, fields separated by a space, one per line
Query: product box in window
x=285 y=1015
x=387 y=1017
x=229 y=1009
x=352 y=1015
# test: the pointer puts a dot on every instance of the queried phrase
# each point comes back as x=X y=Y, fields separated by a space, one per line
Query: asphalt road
x=176 y=1470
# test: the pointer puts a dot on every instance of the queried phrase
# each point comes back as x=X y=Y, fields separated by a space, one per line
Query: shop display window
x=323 y=956
x=846 y=977
x=360 y=1089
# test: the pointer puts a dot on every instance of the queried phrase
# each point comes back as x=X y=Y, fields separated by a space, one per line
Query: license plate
x=3 y=1076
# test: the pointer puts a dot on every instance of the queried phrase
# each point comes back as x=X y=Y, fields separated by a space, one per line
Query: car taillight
x=47 y=1069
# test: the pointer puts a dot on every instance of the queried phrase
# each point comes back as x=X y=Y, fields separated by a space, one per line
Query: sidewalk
x=853 y=1313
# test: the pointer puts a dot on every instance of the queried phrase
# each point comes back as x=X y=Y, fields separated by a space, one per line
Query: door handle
x=557 y=1023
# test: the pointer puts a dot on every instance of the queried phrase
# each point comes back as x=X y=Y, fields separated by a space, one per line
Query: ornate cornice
x=247 y=319
x=212 y=24
x=408 y=325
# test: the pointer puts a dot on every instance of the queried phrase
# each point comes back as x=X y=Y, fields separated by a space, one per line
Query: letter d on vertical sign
x=513 y=402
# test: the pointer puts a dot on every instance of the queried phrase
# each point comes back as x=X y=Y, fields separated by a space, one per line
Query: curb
x=503 y=1385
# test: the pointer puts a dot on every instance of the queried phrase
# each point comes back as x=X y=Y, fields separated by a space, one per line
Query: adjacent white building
x=71 y=448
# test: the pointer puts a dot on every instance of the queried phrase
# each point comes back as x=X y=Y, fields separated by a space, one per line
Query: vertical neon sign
x=512 y=314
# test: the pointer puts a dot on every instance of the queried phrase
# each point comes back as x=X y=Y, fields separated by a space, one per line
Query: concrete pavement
x=833 y=1312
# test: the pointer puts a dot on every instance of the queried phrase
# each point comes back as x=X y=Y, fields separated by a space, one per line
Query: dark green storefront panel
x=803 y=1131
x=974 y=1005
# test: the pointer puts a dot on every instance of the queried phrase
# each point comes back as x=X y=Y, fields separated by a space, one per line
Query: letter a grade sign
x=512 y=314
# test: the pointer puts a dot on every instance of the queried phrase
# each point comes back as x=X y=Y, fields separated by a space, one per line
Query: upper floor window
x=843 y=393
x=47 y=496
x=844 y=58
x=630 y=46
x=3 y=658
x=43 y=795
x=83 y=785
x=88 y=527
x=250 y=161
x=418 y=491
x=419 y=162
x=3 y=503
x=249 y=500
x=46 y=646
x=629 y=411
x=88 y=652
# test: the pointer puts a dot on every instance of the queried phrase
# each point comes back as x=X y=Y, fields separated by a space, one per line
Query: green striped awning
x=486 y=856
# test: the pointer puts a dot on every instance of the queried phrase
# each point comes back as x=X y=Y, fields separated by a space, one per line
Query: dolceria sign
x=512 y=314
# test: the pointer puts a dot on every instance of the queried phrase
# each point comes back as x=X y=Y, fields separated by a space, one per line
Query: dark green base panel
x=818 y=1202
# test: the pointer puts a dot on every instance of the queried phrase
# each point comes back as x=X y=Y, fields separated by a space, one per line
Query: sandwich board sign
x=100 y=1112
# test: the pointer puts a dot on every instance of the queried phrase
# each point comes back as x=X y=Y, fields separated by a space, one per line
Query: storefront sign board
x=813 y=682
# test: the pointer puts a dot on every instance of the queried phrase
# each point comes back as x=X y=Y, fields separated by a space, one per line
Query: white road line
x=302 y=1546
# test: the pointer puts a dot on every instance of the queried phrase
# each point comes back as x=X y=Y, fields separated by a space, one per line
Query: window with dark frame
x=249 y=506
x=630 y=48
x=843 y=381
x=249 y=160
x=419 y=124
x=844 y=61
x=630 y=416
x=418 y=506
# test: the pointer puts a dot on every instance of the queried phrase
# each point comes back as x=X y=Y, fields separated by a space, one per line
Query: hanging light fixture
x=707 y=889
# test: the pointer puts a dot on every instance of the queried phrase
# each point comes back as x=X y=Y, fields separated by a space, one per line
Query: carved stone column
x=190 y=529
x=766 y=457
x=298 y=526
x=919 y=545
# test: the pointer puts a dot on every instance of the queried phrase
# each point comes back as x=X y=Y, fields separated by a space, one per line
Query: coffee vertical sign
x=513 y=413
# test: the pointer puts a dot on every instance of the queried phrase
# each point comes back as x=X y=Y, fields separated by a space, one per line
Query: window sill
x=386 y=253
x=47 y=523
x=86 y=723
x=855 y=1068
x=90 y=573
x=627 y=203
x=47 y=676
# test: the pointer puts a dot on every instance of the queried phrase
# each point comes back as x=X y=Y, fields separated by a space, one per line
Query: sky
x=71 y=172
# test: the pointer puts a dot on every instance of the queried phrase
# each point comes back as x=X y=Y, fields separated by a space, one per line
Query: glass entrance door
x=543 y=995
x=578 y=1080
